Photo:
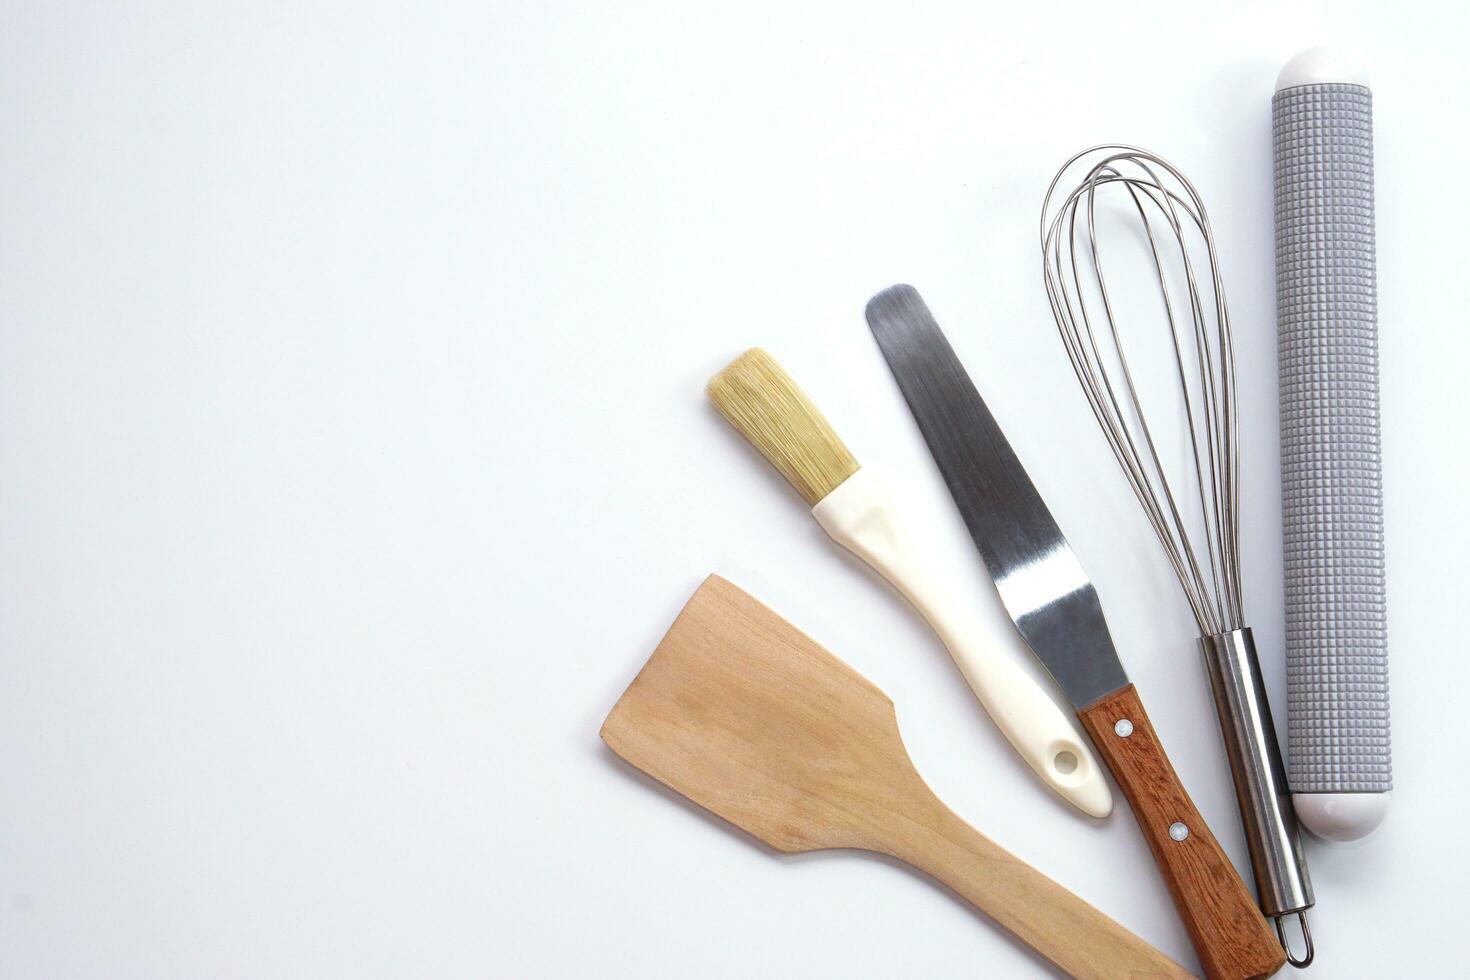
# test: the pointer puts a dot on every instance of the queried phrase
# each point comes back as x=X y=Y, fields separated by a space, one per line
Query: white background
x=353 y=457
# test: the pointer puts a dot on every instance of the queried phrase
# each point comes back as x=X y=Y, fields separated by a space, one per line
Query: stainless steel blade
x=1040 y=581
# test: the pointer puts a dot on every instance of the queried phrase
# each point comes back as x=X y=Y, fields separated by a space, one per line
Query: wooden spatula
x=746 y=716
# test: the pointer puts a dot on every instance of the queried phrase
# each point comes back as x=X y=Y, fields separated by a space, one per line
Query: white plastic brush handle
x=860 y=516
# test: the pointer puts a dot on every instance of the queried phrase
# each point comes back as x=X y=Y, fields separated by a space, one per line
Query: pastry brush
x=850 y=503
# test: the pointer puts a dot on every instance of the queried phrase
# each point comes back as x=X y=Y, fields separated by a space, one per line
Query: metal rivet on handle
x=1177 y=831
x=1123 y=728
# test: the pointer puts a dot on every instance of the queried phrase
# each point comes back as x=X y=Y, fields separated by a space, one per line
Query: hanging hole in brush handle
x=1282 y=882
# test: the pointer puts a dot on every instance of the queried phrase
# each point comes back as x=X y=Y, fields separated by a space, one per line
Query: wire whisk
x=1158 y=200
x=1173 y=218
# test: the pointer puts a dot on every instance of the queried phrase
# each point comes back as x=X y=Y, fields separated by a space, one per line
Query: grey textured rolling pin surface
x=1326 y=295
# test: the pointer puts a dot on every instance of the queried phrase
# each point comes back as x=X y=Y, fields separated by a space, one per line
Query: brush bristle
x=759 y=398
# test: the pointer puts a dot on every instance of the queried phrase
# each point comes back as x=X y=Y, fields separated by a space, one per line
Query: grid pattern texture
x=1327 y=315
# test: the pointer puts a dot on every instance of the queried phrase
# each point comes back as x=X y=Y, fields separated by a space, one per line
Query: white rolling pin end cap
x=1341 y=818
x=1328 y=63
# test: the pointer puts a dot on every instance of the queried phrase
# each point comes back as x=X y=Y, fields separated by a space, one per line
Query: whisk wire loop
x=1170 y=214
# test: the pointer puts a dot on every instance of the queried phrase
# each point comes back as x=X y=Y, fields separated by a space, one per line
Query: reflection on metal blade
x=1043 y=586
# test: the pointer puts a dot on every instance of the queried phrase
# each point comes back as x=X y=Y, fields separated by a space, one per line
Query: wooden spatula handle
x=1041 y=913
x=1229 y=933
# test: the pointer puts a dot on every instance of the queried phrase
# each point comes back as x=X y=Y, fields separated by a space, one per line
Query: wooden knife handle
x=1229 y=933
x=1069 y=932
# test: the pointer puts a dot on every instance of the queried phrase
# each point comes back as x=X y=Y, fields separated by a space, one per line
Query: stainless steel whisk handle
x=1282 y=882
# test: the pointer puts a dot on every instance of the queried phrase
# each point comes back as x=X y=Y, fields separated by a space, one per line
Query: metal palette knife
x=1049 y=596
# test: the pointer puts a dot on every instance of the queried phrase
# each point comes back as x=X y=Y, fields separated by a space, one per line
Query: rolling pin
x=1339 y=763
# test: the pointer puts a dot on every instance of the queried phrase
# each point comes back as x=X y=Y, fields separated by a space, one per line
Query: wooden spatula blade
x=749 y=718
